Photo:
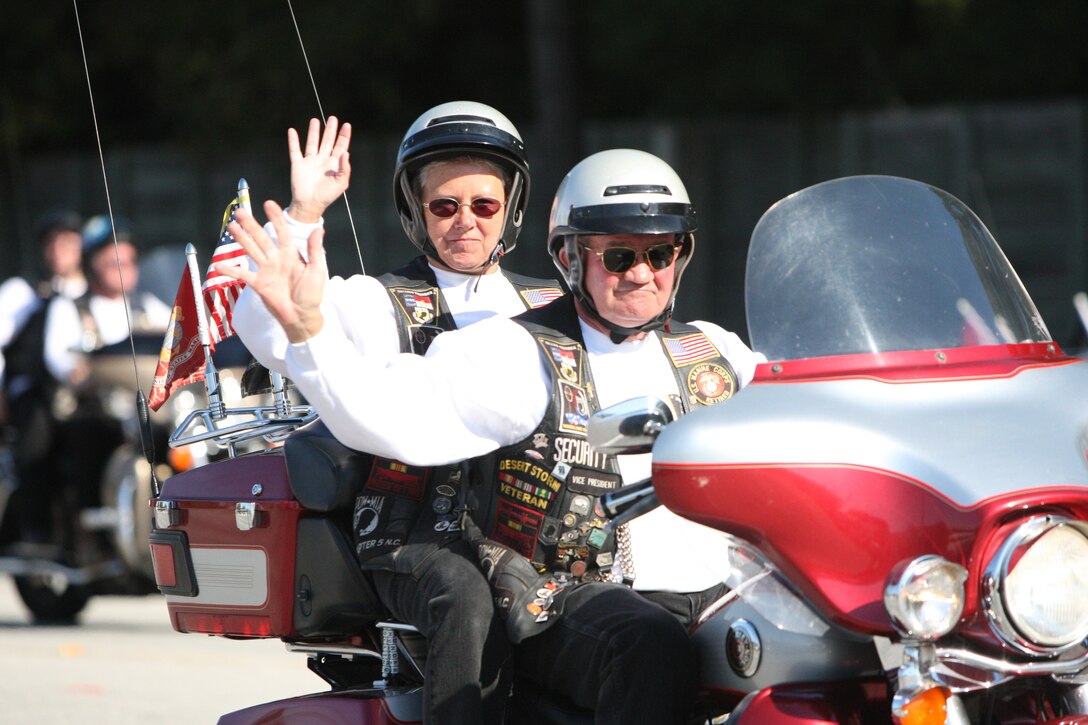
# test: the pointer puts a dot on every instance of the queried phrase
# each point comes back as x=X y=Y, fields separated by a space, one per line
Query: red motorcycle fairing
x=838 y=479
x=863 y=702
x=848 y=703
x=832 y=529
x=341 y=707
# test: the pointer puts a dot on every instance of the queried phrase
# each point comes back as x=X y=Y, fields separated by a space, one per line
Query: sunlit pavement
x=123 y=663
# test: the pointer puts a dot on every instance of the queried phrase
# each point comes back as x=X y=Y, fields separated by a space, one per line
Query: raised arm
x=290 y=287
x=321 y=173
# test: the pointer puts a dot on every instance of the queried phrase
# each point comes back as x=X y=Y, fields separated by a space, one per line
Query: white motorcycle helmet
x=461 y=128
x=620 y=191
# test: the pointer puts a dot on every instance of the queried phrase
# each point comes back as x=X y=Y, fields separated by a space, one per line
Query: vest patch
x=710 y=383
x=595 y=483
x=419 y=306
x=690 y=349
x=534 y=298
x=397 y=479
x=575 y=409
x=566 y=359
x=578 y=452
x=517 y=527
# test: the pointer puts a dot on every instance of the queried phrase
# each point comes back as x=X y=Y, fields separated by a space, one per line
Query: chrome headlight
x=1036 y=586
x=924 y=597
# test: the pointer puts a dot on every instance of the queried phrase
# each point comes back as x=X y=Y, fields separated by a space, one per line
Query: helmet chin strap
x=618 y=333
x=496 y=254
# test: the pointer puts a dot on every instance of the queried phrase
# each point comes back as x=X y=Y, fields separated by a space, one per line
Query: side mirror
x=629 y=427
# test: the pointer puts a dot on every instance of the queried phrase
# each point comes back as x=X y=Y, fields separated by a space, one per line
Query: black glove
x=528 y=602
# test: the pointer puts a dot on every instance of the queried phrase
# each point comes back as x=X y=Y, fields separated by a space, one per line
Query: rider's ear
x=563 y=257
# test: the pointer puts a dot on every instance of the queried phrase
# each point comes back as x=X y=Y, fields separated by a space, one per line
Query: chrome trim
x=343 y=650
x=907 y=570
x=272 y=423
x=167 y=514
x=998 y=671
x=743 y=648
x=630 y=426
x=914 y=676
x=993 y=580
x=246 y=515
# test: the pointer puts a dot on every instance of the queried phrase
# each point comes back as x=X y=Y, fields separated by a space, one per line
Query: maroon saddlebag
x=257 y=546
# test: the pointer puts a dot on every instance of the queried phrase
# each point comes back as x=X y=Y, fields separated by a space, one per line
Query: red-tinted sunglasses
x=445 y=208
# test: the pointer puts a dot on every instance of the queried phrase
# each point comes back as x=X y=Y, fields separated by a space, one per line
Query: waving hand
x=320 y=174
x=290 y=287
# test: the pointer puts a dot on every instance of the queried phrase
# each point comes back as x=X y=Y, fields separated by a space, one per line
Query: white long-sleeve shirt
x=360 y=307
x=65 y=334
x=19 y=300
x=485 y=387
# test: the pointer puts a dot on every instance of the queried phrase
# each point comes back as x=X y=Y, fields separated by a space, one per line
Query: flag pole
x=211 y=375
x=279 y=385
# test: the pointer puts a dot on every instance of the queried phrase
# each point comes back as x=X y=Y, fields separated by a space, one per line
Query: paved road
x=124 y=664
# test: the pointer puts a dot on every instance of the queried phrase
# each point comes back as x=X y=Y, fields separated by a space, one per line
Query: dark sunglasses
x=618 y=260
x=445 y=208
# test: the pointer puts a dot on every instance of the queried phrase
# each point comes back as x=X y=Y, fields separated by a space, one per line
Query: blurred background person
x=28 y=389
x=89 y=333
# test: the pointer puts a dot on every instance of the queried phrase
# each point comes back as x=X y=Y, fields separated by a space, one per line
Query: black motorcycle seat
x=325 y=475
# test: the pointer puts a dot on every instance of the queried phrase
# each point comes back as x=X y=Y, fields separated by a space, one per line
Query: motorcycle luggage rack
x=271 y=422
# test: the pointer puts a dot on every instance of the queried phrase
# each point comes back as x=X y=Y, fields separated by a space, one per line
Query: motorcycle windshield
x=872 y=264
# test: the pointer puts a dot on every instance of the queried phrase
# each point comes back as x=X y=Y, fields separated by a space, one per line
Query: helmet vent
x=637 y=189
x=460 y=117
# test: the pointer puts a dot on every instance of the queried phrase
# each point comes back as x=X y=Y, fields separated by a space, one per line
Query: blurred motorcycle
x=95 y=538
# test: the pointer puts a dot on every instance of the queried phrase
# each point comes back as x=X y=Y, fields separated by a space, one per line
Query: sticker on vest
x=419 y=306
x=379 y=525
x=690 y=349
x=397 y=479
x=710 y=383
x=575 y=409
x=516 y=527
x=527 y=483
x=577 y=452
x=595 y=483
x=565 y=359
x=525 y=492
x=539 y=297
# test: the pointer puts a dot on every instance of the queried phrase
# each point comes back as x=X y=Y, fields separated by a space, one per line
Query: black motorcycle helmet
x=461 y=128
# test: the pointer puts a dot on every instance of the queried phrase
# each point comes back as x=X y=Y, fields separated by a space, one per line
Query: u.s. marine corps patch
x=710 y=383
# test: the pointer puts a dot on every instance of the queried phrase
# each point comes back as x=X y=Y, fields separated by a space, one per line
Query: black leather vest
x=539 y=496
x=401 y=503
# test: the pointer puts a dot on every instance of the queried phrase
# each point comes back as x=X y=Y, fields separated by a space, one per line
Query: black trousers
x=468 y=654
x=623 y=654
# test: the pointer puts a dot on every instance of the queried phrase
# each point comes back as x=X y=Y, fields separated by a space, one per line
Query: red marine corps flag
x=189 y=340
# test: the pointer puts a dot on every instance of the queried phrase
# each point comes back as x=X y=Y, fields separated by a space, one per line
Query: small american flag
x=689 y=349
x=222 y=292
x=540 y=297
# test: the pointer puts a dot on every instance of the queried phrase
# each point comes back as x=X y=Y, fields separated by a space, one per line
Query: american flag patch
x=690 y=349
x=539 y=297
